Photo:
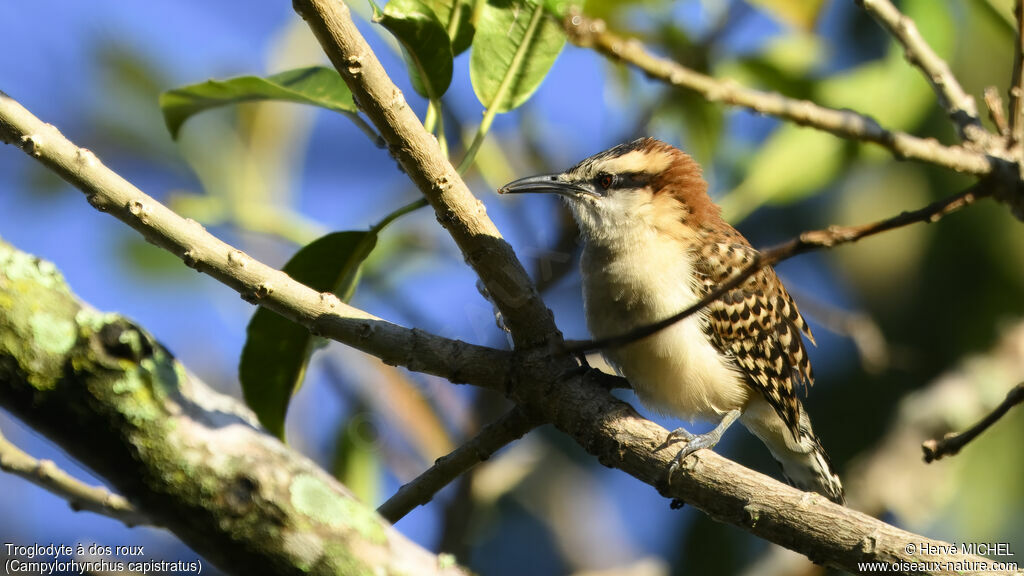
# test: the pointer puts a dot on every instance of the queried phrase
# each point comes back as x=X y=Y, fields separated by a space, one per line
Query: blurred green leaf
x=785 y=64
x=613 y=12
x=277 y=350
x=560 y=8
x=692 y=114
x=314 y=85
x=796 y=162
x=791 y=164
x=425 y=44
x=356 y=462
x=513 y=49
x=464 y=31
x=802 y=14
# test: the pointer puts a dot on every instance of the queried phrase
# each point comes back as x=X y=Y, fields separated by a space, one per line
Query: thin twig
x=996 y=113
x=590 y=33
x=323 y=313
x=950 y=444
x=957 y=103
x=806 y=242
x=510 y=427
x=1017 y=81
x=81 y=496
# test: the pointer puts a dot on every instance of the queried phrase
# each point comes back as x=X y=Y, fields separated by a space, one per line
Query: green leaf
x=513 y=49
x=793 y=163
x=560 y=8
x=425 y=44
x=277 y=350
x=464 y=29
x=314 y=85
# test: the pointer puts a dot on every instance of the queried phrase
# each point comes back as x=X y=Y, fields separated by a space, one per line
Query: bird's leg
x=696 y=442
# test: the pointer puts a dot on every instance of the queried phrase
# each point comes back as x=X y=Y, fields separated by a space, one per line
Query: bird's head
x=645 y=182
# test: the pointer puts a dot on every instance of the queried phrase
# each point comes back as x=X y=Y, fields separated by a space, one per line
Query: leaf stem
x=398 y=213
x=442 y=140
x=453 y=19
x=433 y=111
x=503 y=88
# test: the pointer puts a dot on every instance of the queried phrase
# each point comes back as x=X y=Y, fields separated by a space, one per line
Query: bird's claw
x=694 y=442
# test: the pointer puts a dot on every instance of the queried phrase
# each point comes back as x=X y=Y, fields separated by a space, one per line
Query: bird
x=654 y=244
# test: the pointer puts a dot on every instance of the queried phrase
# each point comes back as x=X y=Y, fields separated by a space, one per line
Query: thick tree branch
x=81 y=496
x=951 y=444
x=462 y=214
x=323 y=313
x=495 y=436
x=954 y=100
x=843 y=123
x=191 y=459
x=806 y=242
x=808 y=523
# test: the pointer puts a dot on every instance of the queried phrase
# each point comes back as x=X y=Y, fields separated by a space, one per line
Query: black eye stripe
x=626 y=180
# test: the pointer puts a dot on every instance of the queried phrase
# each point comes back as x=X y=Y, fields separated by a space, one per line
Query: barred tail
x=803 y=460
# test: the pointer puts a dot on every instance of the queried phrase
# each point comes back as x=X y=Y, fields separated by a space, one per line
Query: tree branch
x=81 y=496
x=323 y=313
x=959 y=105
x=951 y=444
x=495 y=436
x=996 y=113
x=589 y=33
x=889 y=478
x=462 y=214
x=808 y=523
x=193 y=460
x=806 y=242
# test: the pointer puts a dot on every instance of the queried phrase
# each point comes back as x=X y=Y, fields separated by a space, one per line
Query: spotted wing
x=758 y=325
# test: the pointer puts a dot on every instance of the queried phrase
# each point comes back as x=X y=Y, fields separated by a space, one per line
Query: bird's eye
x=606 y=180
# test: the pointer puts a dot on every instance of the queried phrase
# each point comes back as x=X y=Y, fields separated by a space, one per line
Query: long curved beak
x=546 y=183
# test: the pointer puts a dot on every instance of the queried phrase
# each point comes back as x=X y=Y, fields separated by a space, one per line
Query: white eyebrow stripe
x=637 y=162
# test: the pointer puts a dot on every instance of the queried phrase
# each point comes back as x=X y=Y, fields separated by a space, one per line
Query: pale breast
x=676 y=371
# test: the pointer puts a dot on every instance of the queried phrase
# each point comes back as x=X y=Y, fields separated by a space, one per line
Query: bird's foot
x=695 y=442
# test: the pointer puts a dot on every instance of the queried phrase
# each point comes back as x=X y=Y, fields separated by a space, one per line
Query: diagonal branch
x=323 y=313
x=81 y=496
x=495 y=436
x=589 y=33
x=951 y=444
x=806 y=242
x=959 y=105
x=808 y=523
x=462 y=214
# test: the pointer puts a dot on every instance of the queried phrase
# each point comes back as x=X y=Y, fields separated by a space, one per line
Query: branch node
x=237 y=258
